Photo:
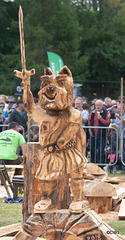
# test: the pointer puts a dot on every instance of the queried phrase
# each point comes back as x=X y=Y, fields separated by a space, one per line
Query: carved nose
x=50 y=89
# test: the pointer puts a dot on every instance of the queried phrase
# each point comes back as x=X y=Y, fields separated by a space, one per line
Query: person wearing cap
x=19 y=115
x=10 y=140
x=10 y=102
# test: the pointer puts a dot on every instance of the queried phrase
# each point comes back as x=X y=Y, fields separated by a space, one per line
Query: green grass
x=10 y=213
x=117 y=225
x=116 y=175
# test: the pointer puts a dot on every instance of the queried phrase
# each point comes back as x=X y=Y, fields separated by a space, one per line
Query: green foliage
x=90 y=40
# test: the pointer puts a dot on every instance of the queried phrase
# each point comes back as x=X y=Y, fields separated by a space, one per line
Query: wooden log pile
x=63 y=225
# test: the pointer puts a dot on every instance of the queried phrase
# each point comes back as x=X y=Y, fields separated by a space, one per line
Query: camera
x=112 y=115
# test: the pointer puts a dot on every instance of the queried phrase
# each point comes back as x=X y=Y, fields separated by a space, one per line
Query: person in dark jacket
x=98 y=117
x=19 y=115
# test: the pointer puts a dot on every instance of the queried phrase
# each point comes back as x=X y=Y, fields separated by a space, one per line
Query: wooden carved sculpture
x=61 y=136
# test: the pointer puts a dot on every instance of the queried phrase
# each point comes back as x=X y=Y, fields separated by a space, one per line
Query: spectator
x=10 y=140
x=79 y=106
x=3 y=99
x=112 y=148
x=98 y=117
x=79 y=103
x=6 y=121
x=92 y=106
x=2 y=106
x=1 y=119
x=10 y=102
x=19 y=115
x=34 y=130
x=113 y=110
x=85 y=114
x=117 y=120
x=107 y=102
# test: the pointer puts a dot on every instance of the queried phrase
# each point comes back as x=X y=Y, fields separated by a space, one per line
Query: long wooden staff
x=24 y=75
x=121 y=115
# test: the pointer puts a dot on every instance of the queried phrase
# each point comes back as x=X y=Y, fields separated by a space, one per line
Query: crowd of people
x=97 y=117
x=105 y=114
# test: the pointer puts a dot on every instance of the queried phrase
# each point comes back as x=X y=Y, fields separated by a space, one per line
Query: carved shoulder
x=76 y=116
x=37 y=114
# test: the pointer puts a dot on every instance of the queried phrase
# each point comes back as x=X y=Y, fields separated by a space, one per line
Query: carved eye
x=43 y=84
x=61 y=83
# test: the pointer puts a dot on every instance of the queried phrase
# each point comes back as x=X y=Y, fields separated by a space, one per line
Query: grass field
x=10 y=213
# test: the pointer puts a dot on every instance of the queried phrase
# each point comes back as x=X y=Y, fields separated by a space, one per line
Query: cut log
x=92 y=168
x=93 y=171
x=10 y=229
x=114 y=180
x=102 y=189
x=120 y=195
x=121 y=214
x=31 y=187
x=100 y=197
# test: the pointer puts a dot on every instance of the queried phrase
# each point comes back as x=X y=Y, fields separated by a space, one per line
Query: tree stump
x=100 y=197
x=32 y=194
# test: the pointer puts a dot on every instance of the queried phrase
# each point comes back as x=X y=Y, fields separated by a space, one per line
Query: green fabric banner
x=55 y=62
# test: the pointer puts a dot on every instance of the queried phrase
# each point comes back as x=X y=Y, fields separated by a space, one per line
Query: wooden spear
x=121 y=114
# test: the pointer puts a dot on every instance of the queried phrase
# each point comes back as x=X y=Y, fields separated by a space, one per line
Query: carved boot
x=45 y=204
x=78 y=205
x=42 y=206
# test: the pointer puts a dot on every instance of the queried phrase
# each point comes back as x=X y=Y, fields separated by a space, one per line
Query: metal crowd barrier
x=123 y=147
x=102 y=159
x=7 y=126
x=95 y=148
x=28 y=135
x=98 y=146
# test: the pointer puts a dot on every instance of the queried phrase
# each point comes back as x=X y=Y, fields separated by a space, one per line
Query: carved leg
x=77 y=183
x=47 y=188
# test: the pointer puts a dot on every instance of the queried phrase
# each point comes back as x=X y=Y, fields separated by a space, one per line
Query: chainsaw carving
x=61 y=136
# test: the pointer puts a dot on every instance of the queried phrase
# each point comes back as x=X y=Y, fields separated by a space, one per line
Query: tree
x=8 y=46
x=103 y=41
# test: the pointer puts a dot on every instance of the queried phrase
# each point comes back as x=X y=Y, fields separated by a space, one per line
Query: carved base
x=63 y=225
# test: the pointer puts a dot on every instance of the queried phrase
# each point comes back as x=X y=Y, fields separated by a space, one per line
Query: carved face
x=56 y=92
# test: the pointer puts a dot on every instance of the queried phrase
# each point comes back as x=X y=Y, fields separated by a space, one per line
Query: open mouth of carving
x=50 y=98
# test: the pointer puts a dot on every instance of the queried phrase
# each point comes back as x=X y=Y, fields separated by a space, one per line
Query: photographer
x=113 y=111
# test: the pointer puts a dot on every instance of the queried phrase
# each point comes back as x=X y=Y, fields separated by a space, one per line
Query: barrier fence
x=101 y=151
x=7 y=126
x=98 y=148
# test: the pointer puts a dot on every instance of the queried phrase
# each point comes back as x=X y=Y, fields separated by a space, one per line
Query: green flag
x=55 y=62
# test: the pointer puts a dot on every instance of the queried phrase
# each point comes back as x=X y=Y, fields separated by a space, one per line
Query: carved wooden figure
x=61 y=136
